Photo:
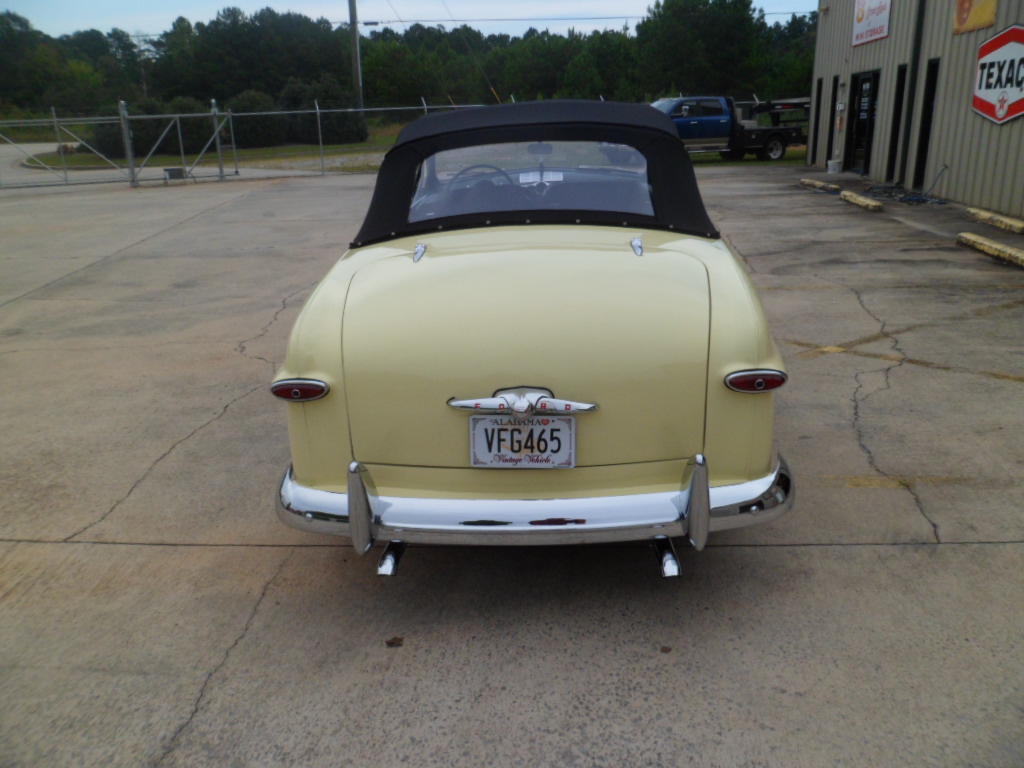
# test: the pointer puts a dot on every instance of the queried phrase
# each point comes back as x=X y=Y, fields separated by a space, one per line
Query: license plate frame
x=504 y=442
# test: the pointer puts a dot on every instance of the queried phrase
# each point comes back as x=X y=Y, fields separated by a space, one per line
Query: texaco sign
x=999 y=80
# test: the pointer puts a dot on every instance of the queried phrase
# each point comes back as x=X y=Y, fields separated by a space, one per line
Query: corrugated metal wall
x=970 y=159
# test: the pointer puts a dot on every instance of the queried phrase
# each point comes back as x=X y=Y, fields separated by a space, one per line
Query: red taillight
x=299 y=390
x=755 y=381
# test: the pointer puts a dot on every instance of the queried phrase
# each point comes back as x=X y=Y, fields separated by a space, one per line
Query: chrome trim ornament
x=418 y=254
x=637 y=244
x=521 y=403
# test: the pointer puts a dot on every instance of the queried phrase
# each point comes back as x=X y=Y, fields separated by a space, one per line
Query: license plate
x=535 y=442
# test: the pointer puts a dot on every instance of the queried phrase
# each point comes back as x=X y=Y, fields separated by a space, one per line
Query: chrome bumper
x=693 y=512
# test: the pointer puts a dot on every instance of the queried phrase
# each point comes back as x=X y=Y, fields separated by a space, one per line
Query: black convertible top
x=535 y=113
x=677 y=202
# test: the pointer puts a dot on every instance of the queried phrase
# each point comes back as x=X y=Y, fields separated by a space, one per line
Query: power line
x=509 y=20
x=399 y=20
x=541 y=19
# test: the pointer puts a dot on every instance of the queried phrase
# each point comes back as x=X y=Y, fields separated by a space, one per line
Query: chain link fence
x=181 y=148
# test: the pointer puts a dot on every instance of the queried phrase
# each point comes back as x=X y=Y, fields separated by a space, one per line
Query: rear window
x=526 y=176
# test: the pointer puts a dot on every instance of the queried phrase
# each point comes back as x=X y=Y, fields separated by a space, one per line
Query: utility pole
x=357 y=69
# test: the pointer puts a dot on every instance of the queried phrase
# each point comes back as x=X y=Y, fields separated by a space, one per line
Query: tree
x=79 y=89
x=394 y=74
x=789 y=61
x=671 y=44
x=125 y=65
x=615 y=56
x=701 y=46
x=36 y=70
x=91 y=46
x=535 y=64
x=710 y=46
x=582 y=79
x=175 y=65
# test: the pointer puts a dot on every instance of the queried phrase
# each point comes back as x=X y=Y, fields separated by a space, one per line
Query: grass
x=362 y=156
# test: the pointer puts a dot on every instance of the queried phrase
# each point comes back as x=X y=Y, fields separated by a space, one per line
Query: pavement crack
x=868 y=385
x=242 y=346
x=153 y=465
x=197 y=704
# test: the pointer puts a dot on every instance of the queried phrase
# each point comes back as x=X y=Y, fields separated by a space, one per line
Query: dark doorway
x=832 y=118
x=861 y=130
x=897 y=119
x=816 y=121
x=931 y=82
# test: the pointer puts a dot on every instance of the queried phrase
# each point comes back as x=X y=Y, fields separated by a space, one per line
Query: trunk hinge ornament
x=521 y=403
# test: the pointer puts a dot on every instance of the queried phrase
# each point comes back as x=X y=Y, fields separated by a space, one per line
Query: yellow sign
x=974 y=14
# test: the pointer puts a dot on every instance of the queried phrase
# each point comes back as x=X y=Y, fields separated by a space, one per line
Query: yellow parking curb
x=1008 y=223
x=864 y=202
x=992 y=248
x=822 y=185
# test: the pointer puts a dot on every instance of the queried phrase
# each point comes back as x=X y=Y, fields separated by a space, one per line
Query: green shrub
x=196 y=129
x=257 y=130
x=336 y=127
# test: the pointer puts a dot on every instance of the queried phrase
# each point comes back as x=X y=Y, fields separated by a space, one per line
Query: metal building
x=928 y=94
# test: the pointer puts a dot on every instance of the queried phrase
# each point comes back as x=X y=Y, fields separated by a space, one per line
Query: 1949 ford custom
x=537 y=337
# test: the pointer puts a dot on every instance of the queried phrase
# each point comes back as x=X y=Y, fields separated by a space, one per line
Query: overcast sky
x=152 y=17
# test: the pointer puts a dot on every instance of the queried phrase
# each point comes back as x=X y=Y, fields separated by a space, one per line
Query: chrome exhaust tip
x=667 y=560
x=388 y=563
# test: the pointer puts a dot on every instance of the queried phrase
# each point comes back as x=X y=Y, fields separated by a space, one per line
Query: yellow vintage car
x=537 y=337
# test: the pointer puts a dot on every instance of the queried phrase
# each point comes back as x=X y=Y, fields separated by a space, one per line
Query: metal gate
x=136 y=149
x=125 y=145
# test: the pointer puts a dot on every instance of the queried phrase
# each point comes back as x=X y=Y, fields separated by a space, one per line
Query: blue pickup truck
x=718 y=124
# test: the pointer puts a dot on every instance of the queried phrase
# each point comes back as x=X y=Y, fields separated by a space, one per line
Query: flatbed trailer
x=720 y=124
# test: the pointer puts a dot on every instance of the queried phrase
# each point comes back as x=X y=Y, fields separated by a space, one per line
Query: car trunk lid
x=588 y=320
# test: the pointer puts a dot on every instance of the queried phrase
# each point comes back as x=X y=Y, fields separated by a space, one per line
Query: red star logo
x=1001 y=104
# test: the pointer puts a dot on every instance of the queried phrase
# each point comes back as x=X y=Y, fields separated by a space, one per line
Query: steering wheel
x=469 y=168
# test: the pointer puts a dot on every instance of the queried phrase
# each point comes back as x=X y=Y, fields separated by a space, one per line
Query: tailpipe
x=388 y=563
x=667 y=560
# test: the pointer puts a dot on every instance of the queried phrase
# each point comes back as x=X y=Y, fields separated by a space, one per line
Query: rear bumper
x=366 y=517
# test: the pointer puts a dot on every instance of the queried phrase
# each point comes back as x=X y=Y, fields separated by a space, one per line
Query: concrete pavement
x=154 y=613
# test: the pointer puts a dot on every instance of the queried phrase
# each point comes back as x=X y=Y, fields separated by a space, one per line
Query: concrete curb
x=997 y=220
x=822 y=185
x=992 y=248
x=864 y=202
